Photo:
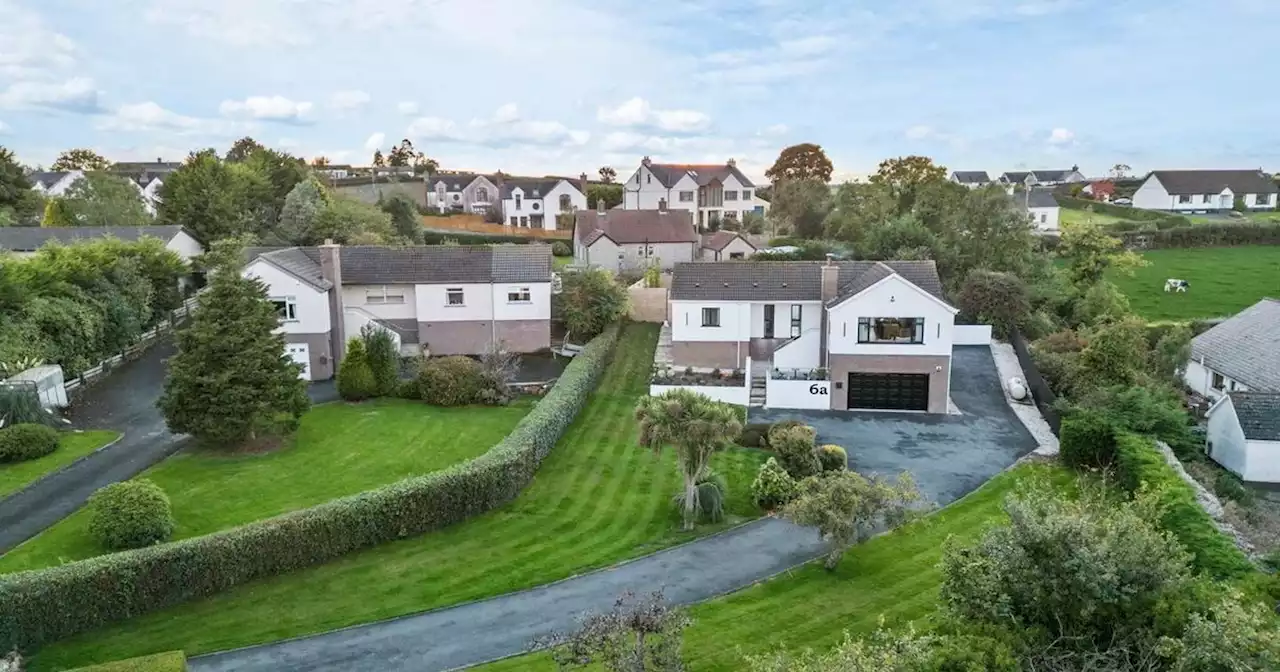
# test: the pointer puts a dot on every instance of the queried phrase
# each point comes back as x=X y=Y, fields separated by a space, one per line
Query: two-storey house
x=54 y=183
x=434 y=300
x=1206 y=190
x=462 y=192
x=1040 y=206
x=713 y=192
x=534 y=203
x=632 y=240
x=878 y=335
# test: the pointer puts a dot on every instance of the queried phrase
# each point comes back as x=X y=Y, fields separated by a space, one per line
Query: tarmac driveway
x=948 y=455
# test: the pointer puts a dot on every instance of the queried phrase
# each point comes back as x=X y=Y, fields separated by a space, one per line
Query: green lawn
x=895 y=576
x=71 y=447
x=597 y=499
x=560 y=262
x=1223 y=280
x=340 y=449
x=1073 y=216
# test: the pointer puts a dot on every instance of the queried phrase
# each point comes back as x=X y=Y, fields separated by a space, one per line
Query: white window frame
x=730 y=195
x=449 y=293
x=290 y=307
x=380 y=296
x=1184 y=198
x=746 y=194
x=519 y=295
x=686 y=197
x=711 y=318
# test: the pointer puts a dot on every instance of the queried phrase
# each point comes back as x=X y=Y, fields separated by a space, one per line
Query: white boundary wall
x=732 y=395
x=806 y=394
x=972 y=334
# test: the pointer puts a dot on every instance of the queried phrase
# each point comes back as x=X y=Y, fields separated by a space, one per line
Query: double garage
x=917 y=383
x=888 y=391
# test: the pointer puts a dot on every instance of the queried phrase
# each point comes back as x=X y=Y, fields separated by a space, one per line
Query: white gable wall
x=735 y=321
x=1225 y=439
x=184 y=246
x=312 y=304
x=1045 y=219
x=892 y=297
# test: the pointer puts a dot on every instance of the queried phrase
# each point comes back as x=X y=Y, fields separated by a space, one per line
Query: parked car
x=1122 y=201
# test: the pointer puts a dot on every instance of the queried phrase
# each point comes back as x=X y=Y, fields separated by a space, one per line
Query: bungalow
x=1238 y=354
x=1041 y=207
x=972 y=179
x=631 y=240
x=1244 y=435
x=725 y=246
x=1046 y=178
x=24 y=241
x=54 y=183
x=1206 y=190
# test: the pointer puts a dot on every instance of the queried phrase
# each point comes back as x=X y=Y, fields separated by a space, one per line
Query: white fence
x=732 y=395
x=972 y=334
x=806 y=394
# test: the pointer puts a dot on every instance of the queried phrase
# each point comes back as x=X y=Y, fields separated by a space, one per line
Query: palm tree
x=695 y=427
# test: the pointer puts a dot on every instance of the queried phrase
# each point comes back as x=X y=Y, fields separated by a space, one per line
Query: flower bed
x=688 y=377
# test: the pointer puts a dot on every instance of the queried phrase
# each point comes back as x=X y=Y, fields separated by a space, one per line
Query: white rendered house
x=1206 y=190
x=710 y=191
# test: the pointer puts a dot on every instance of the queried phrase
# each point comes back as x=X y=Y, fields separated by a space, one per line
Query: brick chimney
x=731 y=163
x=331 y=269
x=645 y=161
x=830 y=287
x=600 y=207
x=582 y=184
x=662 y=205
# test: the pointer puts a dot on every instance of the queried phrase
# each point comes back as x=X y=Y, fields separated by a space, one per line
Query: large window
x=482 y=194
x=797 y=313
x=686 y=197
x=453 y=296
x=730 y=195
x=1262 y=199
x=286 y=308
x=519 y=295
x=1184 y=198
x=519 y=200
x=566 y=204
x=746 y=194
x=710 y=317
x=904 y=330
x=1208 y=198
x=384 y=294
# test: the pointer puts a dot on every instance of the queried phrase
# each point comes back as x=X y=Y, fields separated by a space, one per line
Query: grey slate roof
x=791 y=280
x=1258 y=413
x=298 y=263
x=635 y=226
x=1214 y=181
x=971 y=176
x=1245 y=348
x=1015 y=177
x=47 y=178
x=30 y=238
x=670 y=173
x=454 y=181
x=720 y=239
x=1036 y=197
x=532 y=188
x=521 y=263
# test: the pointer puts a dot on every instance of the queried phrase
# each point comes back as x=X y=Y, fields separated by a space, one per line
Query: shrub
x=383 y=358
x=1207 y=235
x=50 y=604
x=27 y=442
x=773 y=486
x=782 y=425
x=130 y=514
x=754 y=435
x=1139 y=465
x=999 y=299
x=1229 y=486
x=1087 y=441
x=408 y=389
x=832 y=458
x=796 y=451
x=20 y=404
x=561 y=249
x=450 y=381
x=589 y=301
x=712 y=491
x=355 y=380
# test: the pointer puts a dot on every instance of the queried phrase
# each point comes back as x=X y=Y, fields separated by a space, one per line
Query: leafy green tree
x=858 y=209
x=906 y=175
x=1171 y=353
x=57 y=214
x=890 y=651
x=898 y=238
x=805 y=161
x=801 y=206
x=205 y=197
x=301 y=213
x=694 y=427
x=384 y=360
x=1103 y=302
x=378 y=159
x=634 y=636
x=103 y=199
x=404 y=217
x=610 y=193
x=282 y=171
x=999 y=299
x=347 y=220
x=1090 y=251
x=231 y=379
x=355 y=378
x=241 y=149
x=983 y=231
x=1116 y=353
x=590 y=300
x=843 y=505
x=18 y=202
x=80 y=159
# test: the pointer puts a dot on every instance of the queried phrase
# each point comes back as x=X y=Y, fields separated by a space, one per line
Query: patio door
x=768 y=320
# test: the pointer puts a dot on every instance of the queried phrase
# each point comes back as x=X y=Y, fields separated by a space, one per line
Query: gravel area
x=1008 y=366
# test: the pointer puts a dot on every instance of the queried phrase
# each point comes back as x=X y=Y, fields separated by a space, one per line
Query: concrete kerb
x=1007 y=367
x=64 y=467
x=525 y=591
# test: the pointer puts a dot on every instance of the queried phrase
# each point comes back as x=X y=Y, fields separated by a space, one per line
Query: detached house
x=1045 y=178
x=1040 y=206
x=25 y=241
x=972 y=179
x=1206 y=190
x=1241 y=353
x=631 y=240
x=1244 y=435
x=713 y=192
x=434 y=300
x=534 y=203
x=726 y=246
x=462 y=192
x=861 y=334
x=54 y=183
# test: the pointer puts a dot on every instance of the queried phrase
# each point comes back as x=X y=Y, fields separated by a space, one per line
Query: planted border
x=42 y=606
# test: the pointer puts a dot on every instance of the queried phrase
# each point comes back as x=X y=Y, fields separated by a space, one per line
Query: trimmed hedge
x=1087 y=441
x=1206 y=235
x=1101 y=208
x=169 y=661
x=1138 y=463
x=46 y=605
x=27 y=441
x=466 y=238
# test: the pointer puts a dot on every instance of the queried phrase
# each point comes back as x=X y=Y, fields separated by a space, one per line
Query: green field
x=895 y=576
x=1073 y=216
x=597 y=499
x=71 y=447
x=340 y=449
x=560 y=262
x=1224 y=280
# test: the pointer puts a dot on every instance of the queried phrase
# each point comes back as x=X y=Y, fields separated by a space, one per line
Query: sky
x=567 y=86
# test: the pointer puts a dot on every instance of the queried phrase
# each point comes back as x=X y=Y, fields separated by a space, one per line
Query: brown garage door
x=889 y=391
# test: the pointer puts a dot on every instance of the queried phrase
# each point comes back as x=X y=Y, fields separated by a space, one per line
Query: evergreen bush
x=27 y=441
x=833 y=458
x=773 y=486
x=383 y=359
x=355 y=379
x=130 y=514
x=1087 y=441
x=450 y=381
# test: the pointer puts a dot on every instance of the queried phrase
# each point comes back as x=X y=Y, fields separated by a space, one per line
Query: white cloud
x=774 y=130
x=637 y=112
x=267 y=108
x=434 y=128
x=375 y=141
x=407 y=108
x=30 y=48
x=919 y=132
x=74 y=95
x=785 y=59
x=347 y=101
x=1061 y=136
x=287 y=143
x=505 y=128
x=150 y=117
x=4 y=128
x=507 y=114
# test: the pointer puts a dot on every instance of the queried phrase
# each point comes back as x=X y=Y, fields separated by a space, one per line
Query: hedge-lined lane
x=339 y=449
x=71 y=447
x=597 y=499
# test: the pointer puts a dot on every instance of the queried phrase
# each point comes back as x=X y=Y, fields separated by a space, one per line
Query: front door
x=300 y=354
x=889 y=391
x=768 y=320
x=1224 y=202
